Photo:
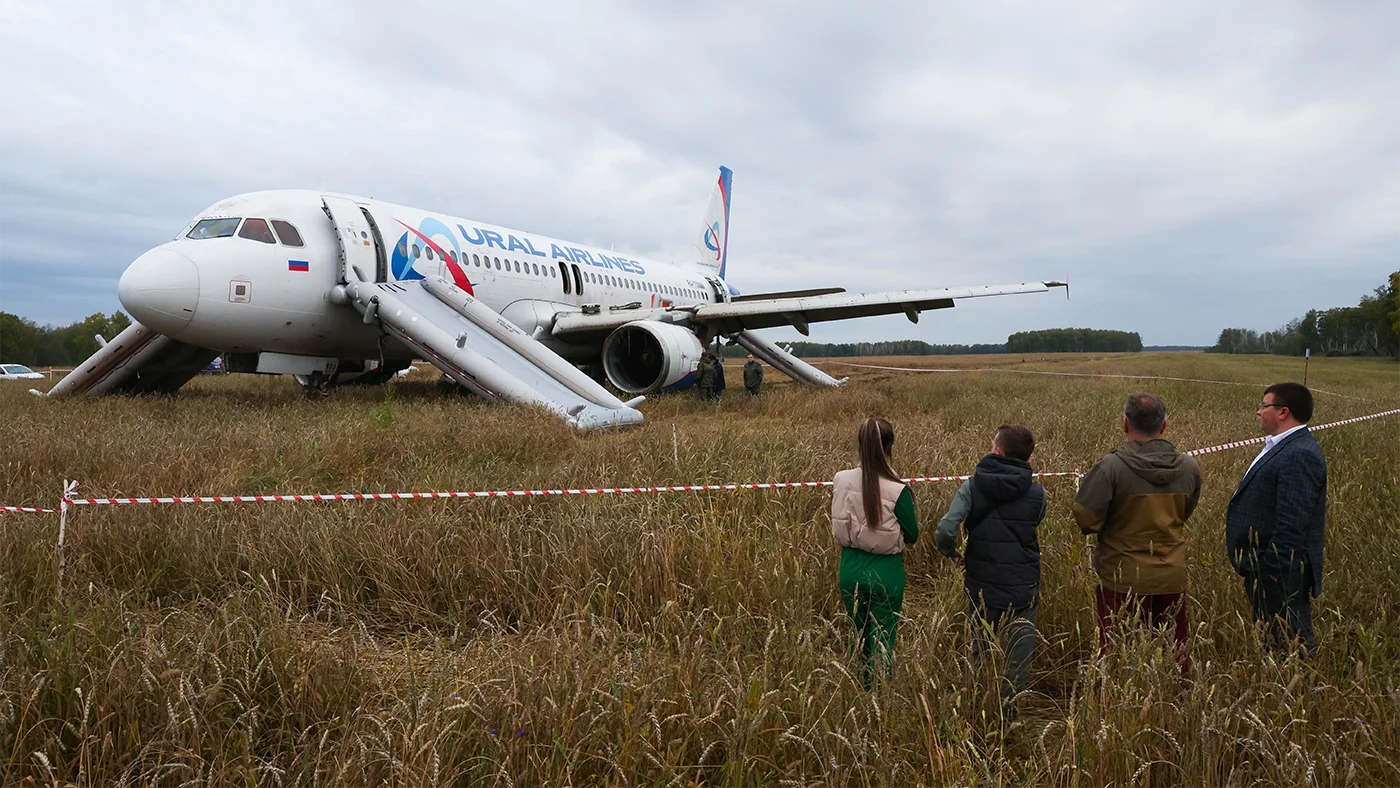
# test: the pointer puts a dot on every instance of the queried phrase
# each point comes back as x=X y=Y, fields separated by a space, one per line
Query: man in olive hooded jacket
x=1137 y=500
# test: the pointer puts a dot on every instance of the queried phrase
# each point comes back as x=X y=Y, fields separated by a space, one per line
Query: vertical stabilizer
x=713 y=240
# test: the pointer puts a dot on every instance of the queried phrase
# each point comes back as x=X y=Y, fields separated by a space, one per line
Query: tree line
x=1051 y=340
x=23 y=342
x=903 y=347
x=1371 y=328
x=1074 y=340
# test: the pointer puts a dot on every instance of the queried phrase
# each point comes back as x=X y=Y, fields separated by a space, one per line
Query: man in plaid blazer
x=1273 y=528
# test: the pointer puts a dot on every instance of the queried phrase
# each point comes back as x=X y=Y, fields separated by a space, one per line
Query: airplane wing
x=798 y=311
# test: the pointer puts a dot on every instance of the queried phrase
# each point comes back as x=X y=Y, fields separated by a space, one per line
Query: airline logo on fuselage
x=429 y=232
x=438 y=237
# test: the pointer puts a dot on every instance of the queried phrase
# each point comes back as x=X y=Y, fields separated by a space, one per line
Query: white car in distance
x=19 y=372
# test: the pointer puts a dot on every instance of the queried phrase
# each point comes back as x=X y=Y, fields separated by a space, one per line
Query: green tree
x=1070 y=340
x=18 y=340
x=1395 y=302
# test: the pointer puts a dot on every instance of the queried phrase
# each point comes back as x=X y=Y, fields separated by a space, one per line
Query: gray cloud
x=1193 y=166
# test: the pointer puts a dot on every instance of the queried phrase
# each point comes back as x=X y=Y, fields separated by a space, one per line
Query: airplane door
x=358 y=259
x=721 y=292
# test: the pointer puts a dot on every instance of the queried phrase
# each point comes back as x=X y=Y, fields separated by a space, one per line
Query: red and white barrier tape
x=488 y=493
x=1067 y=375
x=1262 y=438
x=578 y=491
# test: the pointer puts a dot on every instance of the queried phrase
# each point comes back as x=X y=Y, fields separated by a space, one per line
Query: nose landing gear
x=315 y=385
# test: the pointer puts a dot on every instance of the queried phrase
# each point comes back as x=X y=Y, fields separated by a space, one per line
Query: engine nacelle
x=646 y=356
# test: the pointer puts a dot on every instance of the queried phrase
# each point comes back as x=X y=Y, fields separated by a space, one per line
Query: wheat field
x=672 y=638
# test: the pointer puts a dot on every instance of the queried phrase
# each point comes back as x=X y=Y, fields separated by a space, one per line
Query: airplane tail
x=713 y=240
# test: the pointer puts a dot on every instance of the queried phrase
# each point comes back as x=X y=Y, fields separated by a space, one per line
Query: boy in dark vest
x=1001 y=508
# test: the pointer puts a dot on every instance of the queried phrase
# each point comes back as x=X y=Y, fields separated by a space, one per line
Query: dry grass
x=673 y=638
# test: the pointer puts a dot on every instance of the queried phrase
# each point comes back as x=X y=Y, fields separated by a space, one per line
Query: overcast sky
x=1191 y=165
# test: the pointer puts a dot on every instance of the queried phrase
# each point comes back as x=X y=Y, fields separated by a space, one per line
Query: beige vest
x=848 y=515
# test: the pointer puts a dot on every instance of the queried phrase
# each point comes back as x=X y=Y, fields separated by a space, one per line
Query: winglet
x=1064 y=284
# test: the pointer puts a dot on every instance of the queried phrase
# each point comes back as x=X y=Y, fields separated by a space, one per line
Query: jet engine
x=645 y=356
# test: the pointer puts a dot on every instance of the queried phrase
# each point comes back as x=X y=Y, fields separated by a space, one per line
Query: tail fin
x=713 y=241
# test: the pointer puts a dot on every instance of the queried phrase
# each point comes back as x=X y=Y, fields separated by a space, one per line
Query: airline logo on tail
x=712 y=240
x=713 y=243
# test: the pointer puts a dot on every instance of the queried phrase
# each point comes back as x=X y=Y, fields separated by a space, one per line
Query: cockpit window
x=286 y=233
x=257 y=230
x=213 y=228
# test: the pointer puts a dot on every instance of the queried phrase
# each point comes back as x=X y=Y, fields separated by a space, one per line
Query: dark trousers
x=1158 y=610
x=753 y=390
x=1284 y=603
x=1016 y=626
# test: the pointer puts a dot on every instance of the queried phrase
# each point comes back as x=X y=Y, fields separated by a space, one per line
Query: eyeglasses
x=1263 y=405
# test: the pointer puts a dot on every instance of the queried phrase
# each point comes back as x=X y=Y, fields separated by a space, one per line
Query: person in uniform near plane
x=719 y=372
x=705 y=376
x=1274 y=524
x=873 y=520
x=753 y=376
x=1001 y=507
x=1137 y=500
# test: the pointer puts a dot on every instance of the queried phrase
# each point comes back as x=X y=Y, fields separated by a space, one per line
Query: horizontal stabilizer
x=789 y=294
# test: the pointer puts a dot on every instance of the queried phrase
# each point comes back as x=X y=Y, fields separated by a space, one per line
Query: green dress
x=872 y=588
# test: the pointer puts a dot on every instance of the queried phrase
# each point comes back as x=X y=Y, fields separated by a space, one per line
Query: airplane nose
x=161 y=290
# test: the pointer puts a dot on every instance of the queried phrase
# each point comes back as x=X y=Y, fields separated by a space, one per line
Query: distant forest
x=22 y=342
x=903 y=347
x=1051 y=340
x=1074 y=340
x=1371 y=328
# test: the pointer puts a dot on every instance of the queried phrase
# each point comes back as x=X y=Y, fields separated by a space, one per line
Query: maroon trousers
x=1157 y=610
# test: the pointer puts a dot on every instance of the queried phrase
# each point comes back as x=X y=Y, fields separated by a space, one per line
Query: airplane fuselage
x=258 y=273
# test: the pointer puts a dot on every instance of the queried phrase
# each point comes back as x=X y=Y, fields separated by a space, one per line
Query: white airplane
x=330 y=286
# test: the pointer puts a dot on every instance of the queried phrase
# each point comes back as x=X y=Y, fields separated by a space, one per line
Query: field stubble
x=653 y=638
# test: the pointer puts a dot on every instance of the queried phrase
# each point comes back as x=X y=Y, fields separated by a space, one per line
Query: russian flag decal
x=298 y=265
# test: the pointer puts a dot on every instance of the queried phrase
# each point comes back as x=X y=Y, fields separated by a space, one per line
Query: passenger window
x=286 y=233
x=578 y=279
x=497 y=260
x=429 y=252
x=476 y=261
x=567 y=289
x=257 y=230
x=213 y=228
x=417 y=253
x=402 y=249
x=452 y=255
x=517 y=266
x=535 y=268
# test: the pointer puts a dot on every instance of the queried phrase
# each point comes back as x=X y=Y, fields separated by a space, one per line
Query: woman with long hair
x=872 y=518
